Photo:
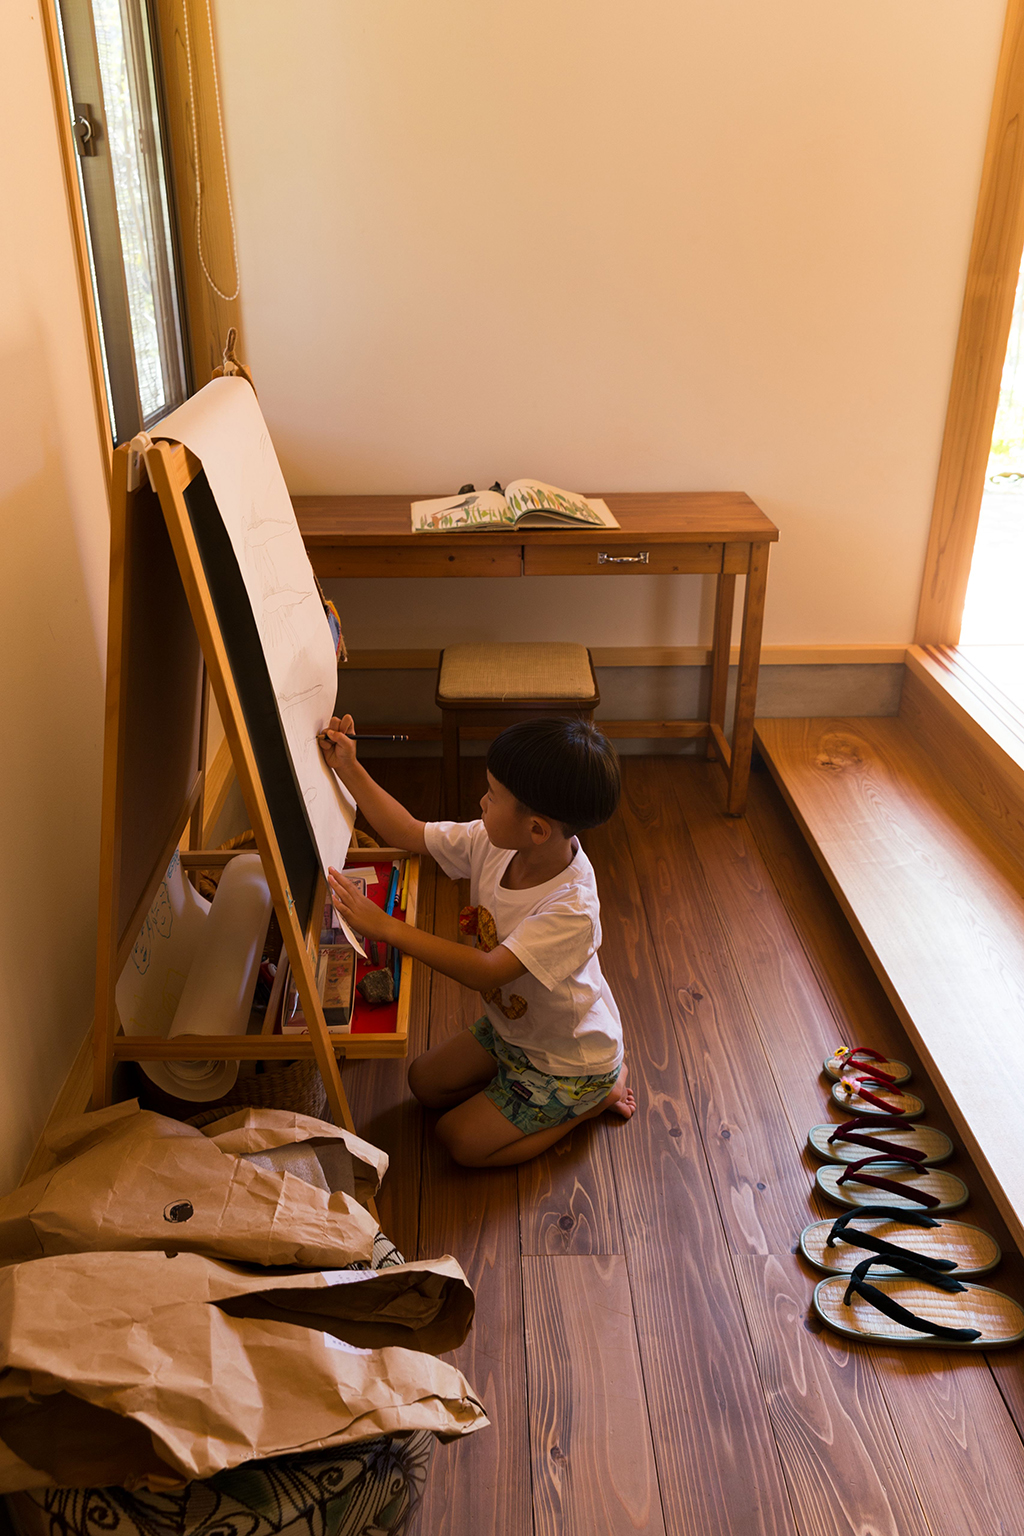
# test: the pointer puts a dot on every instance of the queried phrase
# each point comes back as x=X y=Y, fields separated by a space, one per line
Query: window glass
x=993 y=612
x=115 y=109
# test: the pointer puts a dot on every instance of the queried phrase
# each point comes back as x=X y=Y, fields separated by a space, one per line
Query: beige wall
x=667 y=245
x=53 y=593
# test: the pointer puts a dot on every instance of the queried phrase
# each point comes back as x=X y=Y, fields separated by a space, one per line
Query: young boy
x=548 y=1051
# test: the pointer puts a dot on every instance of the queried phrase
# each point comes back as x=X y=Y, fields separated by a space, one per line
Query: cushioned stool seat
x=500 y=684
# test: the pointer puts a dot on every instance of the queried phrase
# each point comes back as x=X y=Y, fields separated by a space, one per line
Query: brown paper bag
x=130 y=1179
x=147 y=1370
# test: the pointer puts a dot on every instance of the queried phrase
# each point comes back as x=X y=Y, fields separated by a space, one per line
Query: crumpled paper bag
x=147 y=1370
x=260 y=1186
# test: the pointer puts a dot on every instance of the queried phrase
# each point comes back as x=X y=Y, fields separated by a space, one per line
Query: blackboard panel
x=255 y=690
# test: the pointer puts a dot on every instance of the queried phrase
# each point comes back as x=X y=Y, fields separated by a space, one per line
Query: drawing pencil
x=405 y=886
x=366 y=736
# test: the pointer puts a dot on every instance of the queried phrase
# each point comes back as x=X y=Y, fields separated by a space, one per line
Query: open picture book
x=525 y=504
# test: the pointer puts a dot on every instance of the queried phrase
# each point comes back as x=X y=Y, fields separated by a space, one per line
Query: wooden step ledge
x=937 y=901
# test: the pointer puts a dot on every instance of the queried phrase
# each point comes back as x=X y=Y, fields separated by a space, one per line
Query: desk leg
x=746 y=689
x=721 y=646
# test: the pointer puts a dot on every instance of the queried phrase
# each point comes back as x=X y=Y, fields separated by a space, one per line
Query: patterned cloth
x=367 y=1489
x=532 y=1100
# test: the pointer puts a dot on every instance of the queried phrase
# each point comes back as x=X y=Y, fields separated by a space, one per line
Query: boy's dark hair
x=560 y=768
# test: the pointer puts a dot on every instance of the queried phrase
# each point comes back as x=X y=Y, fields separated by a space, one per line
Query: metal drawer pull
x=640 y=559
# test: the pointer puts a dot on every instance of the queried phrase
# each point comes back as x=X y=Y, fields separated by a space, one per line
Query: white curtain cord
x=227 y=297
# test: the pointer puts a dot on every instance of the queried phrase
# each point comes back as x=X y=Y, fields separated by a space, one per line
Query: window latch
x=85 y=129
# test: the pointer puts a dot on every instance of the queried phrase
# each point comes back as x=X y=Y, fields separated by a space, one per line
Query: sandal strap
x=891 y=1186
x=898 y=1314
x=889 y=1149
x=848 y=1053
x=890 y=1212
x=856 y=1085
x=841 y=1232
x=896 y=1121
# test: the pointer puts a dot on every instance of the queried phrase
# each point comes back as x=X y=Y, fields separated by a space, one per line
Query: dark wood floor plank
x=764 y=1185
x=481 y=1483
x=567 y=1201
x=963 y=1449
x=845 y=1469
x=717 y=1462
x=593 y=1461
x=794 y=1018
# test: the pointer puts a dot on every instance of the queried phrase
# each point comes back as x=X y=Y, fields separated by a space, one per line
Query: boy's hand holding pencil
x=338 y=745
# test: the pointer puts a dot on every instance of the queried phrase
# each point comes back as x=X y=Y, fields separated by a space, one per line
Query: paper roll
x=217 y=996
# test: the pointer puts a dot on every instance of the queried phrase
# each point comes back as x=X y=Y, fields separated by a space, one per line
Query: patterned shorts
x=532 y=1100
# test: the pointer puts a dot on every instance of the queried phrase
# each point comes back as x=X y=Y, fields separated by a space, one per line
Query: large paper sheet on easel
x=224 y=427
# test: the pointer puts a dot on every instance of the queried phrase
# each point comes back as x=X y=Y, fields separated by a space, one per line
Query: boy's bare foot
x=625 y=1105
x=620 y=1101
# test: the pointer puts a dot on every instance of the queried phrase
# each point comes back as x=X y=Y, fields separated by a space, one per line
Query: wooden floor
x=643 y=1343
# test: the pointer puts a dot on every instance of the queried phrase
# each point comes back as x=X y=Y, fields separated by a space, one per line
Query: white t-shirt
x=561 y=1013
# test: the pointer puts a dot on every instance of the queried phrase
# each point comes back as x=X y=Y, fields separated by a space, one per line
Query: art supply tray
x=381 y=1029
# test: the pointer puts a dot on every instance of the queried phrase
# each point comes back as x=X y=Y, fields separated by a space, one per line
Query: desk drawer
x=621 y=559
x=419 y=560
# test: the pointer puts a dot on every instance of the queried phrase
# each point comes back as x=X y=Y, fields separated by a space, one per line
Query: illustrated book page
x=525 y=504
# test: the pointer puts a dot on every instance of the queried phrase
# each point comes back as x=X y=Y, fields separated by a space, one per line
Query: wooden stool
x=499 y=685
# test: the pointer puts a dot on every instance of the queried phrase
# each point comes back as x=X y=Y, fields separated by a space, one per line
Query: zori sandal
x=837 y=1247
x=902 y=1180
x=848 y=1058
x=862 y=1093
x=847 y=1142
x=919 y=1307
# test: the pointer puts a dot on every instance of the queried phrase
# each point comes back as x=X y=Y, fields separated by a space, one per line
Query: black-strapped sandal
x=837 y=1247
x=904 y=1180
x=847 y=1142
x=917 y=1308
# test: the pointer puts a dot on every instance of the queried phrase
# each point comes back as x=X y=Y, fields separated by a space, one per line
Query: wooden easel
x=165 y=648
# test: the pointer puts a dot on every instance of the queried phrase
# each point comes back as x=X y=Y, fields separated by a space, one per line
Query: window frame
x=992 y=272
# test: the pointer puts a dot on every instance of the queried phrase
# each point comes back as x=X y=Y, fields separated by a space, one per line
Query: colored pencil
x=389 y=905
x=405 y=886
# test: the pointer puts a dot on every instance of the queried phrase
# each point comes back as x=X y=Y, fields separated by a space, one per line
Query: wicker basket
x=291 y=1085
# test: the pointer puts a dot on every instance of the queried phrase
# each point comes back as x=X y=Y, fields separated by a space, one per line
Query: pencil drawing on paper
x=223 y=426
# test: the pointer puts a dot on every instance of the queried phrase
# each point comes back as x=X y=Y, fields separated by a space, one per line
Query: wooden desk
x=713 y=533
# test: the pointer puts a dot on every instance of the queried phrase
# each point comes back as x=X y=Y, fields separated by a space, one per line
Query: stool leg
x=450 y=749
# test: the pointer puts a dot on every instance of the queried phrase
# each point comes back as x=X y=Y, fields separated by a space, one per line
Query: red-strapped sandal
x=848 y=1142
x=849 y=1058
x=866 y=1093
x=905 y=1182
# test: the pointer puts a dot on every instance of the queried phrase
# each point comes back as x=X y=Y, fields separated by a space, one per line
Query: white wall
x=53 y=595
x=665 y=245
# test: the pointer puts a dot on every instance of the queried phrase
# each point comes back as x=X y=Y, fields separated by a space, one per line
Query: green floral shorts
x=532 y=1100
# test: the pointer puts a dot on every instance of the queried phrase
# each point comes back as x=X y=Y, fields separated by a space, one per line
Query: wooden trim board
x=856 y=654
x=978 y=743
x=79 y=235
